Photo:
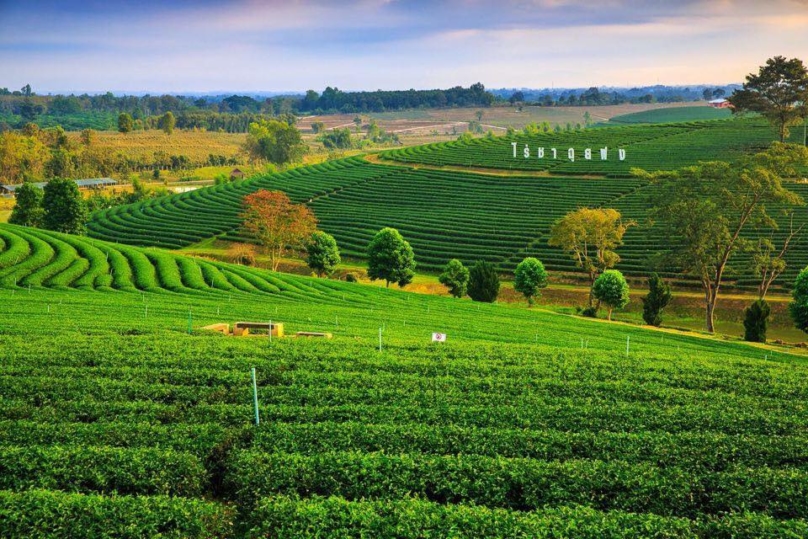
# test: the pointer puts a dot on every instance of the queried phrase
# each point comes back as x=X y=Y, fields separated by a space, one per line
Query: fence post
x=255 y=397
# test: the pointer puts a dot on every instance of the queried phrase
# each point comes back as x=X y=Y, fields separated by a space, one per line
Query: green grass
x=652 y=147
x=673 y=114
x=115 y=417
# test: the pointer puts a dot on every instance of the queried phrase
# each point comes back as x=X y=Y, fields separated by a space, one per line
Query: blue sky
x=270 y=45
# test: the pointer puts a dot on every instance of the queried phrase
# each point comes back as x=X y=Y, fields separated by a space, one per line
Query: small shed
x=237 y=174
x=719 y=104
x=95 y=183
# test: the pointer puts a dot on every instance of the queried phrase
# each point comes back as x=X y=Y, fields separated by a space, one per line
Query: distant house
x=719 y=104
x=236 y=174
x=90 y=183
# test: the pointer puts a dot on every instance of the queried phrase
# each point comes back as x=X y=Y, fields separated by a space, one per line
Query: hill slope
x=444 y=214
x=115 y=419
x=672 y=114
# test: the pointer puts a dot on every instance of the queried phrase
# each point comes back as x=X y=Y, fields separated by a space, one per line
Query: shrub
x=658 y=297
x=28 y=210
x=455 y=277
x=756 y=321
x=483 y=282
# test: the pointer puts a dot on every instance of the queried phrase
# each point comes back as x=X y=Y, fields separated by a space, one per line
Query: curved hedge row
x=38 y=258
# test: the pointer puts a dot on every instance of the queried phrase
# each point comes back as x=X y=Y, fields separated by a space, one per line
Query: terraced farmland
x=444 y=214
x=672 y=115
x=657 y=147
x=115 y=420
x=180 y=220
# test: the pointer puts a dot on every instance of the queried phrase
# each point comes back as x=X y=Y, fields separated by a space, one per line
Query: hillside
x=651 y=147
x=672 y=115
x=523 y=423
x=468 y=213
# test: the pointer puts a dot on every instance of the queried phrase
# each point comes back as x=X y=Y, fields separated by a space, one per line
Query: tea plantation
x=445 y=214
x=120 y=417
x=652 y=147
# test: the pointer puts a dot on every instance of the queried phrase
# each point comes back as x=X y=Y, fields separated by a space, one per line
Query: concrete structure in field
x=90 y=183
x=719 y=104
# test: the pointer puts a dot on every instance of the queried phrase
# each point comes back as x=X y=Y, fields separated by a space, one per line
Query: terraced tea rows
x=672 y=115
x=113 y=422
x=657 y=147
x=447 y=215
x=35 y=258
x=443 y=214
x=164 y=285
x=180 y=220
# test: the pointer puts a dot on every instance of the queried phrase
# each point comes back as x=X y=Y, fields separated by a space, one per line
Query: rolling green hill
x=651 y=147
x=116 y=419
x=672 y=115
x=444 y=214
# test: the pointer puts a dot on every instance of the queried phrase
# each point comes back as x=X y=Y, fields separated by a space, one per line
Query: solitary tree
x=529 y=278
x=591 y=237
x=167 y=122
x=274 y=141
x=28 y=210
x=658 y=297
x=317 y=127
x=768 y=264
x=611 y=289
x=455 y=277
x=390 y=258
x=799 y=304
x=707 y=207
x=323 y=253
x=483 y=282
x=125 y=122
x=277 y=224
x=779 y=92
x=64 y=208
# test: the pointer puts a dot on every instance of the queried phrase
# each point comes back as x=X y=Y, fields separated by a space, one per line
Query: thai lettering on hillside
x=553 y=153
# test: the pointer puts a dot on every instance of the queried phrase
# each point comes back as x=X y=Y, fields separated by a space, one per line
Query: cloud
x=268 y=45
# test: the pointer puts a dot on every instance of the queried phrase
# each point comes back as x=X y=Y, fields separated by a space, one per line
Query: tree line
x=232 y=114
x=34 y=154
x=335 y=100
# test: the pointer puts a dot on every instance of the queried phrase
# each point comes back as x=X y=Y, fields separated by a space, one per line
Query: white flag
x=438 y=337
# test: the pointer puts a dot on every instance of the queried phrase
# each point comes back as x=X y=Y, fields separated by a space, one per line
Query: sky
x=176 y=46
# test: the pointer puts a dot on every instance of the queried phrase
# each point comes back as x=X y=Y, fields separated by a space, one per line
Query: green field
x=444 y=214
x=120 y=416
x=672 y=115
x=651 y=147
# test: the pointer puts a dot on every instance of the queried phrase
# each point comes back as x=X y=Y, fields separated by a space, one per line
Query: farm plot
x=652 y=147
x=113 y=422
x=443 y=214
x=179 y=220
